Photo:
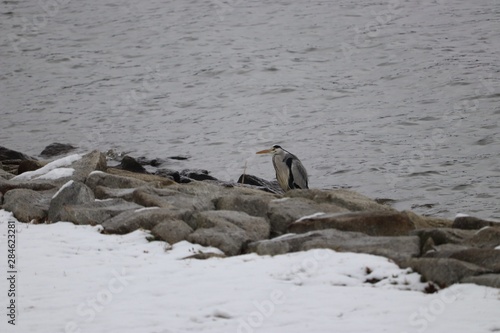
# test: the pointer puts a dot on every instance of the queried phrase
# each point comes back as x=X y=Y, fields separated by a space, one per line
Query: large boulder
x=254 y=204
x=103 y=192
x=472 y=223
x=170 y=198
x=142 y=219
x=229 y=231
x=282 y=212
x=27 y=205
x=488 y=280
x=488 y=238
x=398 y=247
x=71 y=193
x=373 y=223
x=96 y=212
x=93 y=161
x=55 y=149
x=172 y=231
x=158 y=181
x=487 y=258
x=98 y=178
x=7 y=154
x=349 y=200
x=421 y=222
x=442 y=271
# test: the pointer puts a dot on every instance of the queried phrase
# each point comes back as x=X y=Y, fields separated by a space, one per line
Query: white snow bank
x=74 y=279
x=48 y=170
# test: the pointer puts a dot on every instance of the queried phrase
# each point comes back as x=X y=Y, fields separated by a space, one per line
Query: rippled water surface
x=396 y=99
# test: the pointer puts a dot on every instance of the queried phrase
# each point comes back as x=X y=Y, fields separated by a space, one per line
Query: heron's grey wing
x=299 y=173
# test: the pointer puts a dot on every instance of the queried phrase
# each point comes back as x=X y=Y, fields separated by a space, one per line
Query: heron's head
x=273 y=150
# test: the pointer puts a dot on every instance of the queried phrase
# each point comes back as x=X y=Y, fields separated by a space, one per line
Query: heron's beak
x=265 y=151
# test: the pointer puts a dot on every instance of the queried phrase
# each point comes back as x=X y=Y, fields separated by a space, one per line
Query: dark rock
x=155 y=162
x=96 y=212
x=27 y=205
x=443 y=271
x=488 y=280
x=282 y=212
x=55 y=149
x=185 y=180
x=205 y=255
x=130 y=164
x=262 y=184
x=376 y=223
x=349 y=200
x=9 y=154
x=488 y=238
x=28 y=165
x=487 y=258
x=397 y=248
x=172 y=174
x=180 y=157
x=144 y=218
x=472 y=223
x=197 y=174
x=255 y=205
x=172 y=231
x=71 y=193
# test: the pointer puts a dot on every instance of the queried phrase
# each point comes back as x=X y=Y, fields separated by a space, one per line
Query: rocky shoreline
x=251 y=215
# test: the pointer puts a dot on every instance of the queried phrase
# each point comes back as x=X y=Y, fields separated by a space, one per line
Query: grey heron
x=290 y=173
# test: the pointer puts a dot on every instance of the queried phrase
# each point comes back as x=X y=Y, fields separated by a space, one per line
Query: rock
x=55 y=149
x=145 y=218
x=229 y=231
x=197 y=174
x=442 y=271
x=488 y=280
x=4 y=174
x=376 y=223
x=230 y=239
x=112 y=181
x=472 y=223
x=167 y=173
x=168 y=198
x=130 y=164
x=487 y=258
x=256 y=228
x=155 y=162
x=27 y=205
x=488 y=237
x=157 y=180
x=9 y=154
x=96 y=212
x=93 y=161
x=71 y=193
x=349 y=200
x=443 y=251
x=397 y=248
x=35 y=185
x=282 y=212
x=29 y=165
x=205 y=255
x=427 y=221
x=103 y=192
x=262 y=184
x=172 y=231
x=442 y=236
x=255 y=205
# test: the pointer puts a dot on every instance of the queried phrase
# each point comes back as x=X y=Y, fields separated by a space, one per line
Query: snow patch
x=57 y=173
x=67 y=184
x=310 y=216
x=62 y=162
x=280 y=200
x=145 y=208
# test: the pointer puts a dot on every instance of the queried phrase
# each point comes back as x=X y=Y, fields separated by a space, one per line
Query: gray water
x=394 y=99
